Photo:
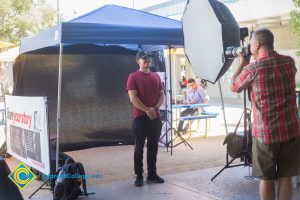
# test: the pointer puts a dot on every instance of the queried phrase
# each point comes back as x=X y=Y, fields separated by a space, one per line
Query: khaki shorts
x=276 y=160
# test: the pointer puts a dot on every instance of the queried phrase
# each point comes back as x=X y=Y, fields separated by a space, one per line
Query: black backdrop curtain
x=95 y=108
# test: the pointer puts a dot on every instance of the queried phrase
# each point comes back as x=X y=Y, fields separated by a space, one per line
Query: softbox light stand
x=245 y=154
x=223 y=107
x=168 y=120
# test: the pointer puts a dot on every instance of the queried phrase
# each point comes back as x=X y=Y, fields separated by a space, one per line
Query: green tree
x=295 y=24
x=21 y=18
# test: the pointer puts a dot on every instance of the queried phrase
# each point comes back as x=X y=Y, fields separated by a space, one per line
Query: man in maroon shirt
x=146 y=94
x=276 y=135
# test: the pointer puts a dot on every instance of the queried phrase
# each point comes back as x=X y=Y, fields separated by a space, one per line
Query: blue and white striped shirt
x=197 y=95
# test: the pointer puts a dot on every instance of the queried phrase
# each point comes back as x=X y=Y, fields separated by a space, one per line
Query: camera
x=233 y=52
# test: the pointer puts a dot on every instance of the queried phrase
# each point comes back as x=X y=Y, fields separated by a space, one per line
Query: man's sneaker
x=139 y=181
x=155 y=179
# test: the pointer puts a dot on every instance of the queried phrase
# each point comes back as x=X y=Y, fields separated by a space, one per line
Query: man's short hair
x=265 y=37
x=191 y=80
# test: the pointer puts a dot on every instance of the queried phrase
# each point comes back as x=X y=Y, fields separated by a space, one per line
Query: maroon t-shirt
x=147 y=87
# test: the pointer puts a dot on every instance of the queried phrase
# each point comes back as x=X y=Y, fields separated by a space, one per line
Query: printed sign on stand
x=27 y=131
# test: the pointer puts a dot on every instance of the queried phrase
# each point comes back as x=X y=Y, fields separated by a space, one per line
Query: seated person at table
x=196 y=95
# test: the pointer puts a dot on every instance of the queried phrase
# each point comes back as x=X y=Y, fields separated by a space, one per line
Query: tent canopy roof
x=117 y=15
x=109 y=25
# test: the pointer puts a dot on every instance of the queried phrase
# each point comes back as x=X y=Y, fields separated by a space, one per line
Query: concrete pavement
x=231 y=184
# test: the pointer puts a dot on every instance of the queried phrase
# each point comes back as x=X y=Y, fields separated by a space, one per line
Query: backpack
x=68 y=181
x=61 y=161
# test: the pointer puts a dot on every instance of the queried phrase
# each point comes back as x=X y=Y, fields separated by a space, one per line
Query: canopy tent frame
x=108 y=25
x=58 y=117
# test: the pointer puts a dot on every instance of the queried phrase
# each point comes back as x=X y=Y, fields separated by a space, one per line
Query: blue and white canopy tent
x=108 y=25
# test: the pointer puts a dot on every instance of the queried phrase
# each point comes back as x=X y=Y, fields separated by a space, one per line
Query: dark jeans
x=186 y=112
x=144 y=128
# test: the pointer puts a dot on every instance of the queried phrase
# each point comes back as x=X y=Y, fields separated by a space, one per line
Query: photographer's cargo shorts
x=271 y=161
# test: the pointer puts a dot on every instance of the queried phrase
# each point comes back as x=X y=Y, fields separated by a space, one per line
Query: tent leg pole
x=223 y=108
x=166 y=108
x=174 y=72
x=58 y=103
x=170 y=82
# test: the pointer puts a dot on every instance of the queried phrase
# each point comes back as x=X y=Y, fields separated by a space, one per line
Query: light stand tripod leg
x=164 y=135
x=184 y=141
x=227 y=166
x=181 y=138
x=168 y=127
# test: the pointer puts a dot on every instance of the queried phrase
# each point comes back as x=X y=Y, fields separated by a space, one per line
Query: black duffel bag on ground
x=235 y=142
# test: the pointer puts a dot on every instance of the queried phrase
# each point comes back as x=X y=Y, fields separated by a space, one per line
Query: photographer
x=276 y=136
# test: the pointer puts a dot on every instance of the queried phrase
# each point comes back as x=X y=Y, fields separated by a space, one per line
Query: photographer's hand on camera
x=243 y=60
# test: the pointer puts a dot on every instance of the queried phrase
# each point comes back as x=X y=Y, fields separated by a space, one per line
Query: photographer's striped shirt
x=272 y=82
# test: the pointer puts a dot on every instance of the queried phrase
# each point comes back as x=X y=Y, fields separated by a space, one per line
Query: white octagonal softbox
x=209 y=28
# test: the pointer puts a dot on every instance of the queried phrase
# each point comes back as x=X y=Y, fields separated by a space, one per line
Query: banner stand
x=41 y=187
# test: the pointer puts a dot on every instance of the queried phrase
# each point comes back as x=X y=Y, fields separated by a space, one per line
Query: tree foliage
x=295 y=23
x=21 y=18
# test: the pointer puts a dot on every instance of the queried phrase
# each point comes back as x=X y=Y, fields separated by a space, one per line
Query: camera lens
x=233 y=52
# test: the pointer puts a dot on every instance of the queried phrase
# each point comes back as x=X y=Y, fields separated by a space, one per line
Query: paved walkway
x=231 y=184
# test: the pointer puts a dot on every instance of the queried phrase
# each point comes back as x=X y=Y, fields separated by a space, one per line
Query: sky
x=73 y=8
